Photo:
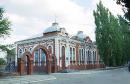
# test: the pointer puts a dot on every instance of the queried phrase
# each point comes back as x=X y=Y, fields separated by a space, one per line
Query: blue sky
x=31 y=17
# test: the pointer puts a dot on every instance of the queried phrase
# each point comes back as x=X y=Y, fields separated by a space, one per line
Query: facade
x=55 y=50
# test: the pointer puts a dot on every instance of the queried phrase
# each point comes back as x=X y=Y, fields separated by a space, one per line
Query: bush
x=2 y=61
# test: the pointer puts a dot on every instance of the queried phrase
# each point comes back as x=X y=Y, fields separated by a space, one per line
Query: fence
x=11 y=67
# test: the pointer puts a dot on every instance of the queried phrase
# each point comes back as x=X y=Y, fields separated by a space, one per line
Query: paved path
x=28 y=79
x=117 y=76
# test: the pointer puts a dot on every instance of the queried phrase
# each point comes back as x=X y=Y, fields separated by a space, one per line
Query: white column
x=92 y=56
x=57 y=50
x=85 y=57
x=67 y=61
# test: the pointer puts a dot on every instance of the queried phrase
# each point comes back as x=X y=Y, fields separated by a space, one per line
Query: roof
x=53 y=28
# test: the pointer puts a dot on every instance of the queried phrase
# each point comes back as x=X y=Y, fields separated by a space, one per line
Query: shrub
x=2 y=61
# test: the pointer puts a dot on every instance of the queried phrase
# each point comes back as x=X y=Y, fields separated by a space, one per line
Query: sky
x=31 y=17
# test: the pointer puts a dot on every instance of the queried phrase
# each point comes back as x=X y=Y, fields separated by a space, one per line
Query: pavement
x=27 y=79
x=108 y=76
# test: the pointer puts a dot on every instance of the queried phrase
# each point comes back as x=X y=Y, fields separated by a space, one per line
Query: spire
x=55 y=23
x=55 y=18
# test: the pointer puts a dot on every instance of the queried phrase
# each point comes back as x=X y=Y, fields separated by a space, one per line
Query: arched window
x=50 y=49
x=95 y=56
x=73 y=54
x=43 y=57
x=36 y=56
x=82 y=55
x=20 y=52
x=25 y=50
x=63 y=57
x=70 y=54
x=30 y=49
x=89 y=57
x=79 y=55
x=86 y=55
x=39 y=57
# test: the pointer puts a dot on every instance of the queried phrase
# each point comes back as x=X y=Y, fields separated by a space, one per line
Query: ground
x=116 y=76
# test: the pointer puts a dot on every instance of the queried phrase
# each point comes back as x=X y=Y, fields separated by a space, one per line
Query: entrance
x=39 y=63
x=25 y=64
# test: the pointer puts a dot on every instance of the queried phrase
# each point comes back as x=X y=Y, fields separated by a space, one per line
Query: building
x=55 y=50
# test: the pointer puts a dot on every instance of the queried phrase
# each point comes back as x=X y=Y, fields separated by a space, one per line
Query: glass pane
x=43 y=56
x=36 y=56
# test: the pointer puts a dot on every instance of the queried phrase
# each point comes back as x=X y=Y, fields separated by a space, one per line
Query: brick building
x=55 y=50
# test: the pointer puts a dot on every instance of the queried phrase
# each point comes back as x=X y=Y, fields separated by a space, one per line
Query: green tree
x=10 y=52
x=4 y=25
x=4 y=28
x=126 y=39
x=108 y=36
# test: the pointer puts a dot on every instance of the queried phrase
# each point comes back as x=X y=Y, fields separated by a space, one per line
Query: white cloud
x=111 y=5
x=24 y=2
x=12 y=39
x=30 y=17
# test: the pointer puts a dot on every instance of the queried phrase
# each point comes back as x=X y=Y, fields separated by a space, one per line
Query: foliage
x=4 y=25
x=2 y=61
x=126 y=39
x=10 y=52
x=108 y=36
x=4 y=30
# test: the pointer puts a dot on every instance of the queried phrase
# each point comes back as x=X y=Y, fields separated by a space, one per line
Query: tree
x=4 y=29
x=108 y=36
x=11 y=54
x=125 y=3
x=4 y=25
x=9 y=51
x=126 y=39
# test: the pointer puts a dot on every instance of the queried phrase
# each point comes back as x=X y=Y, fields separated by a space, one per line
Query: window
x=36 y=56
x=39 y=57
x=30 y=49
x=79 y=55
x=73 y=54
x=86 y=55
x=25 y=50
x=70 y=54
x=82 y=55
x=50 y=49
x=20 y=52
x=43 y=57
x=89 y=56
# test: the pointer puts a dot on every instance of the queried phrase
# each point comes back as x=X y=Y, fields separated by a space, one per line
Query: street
x=116 y=76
